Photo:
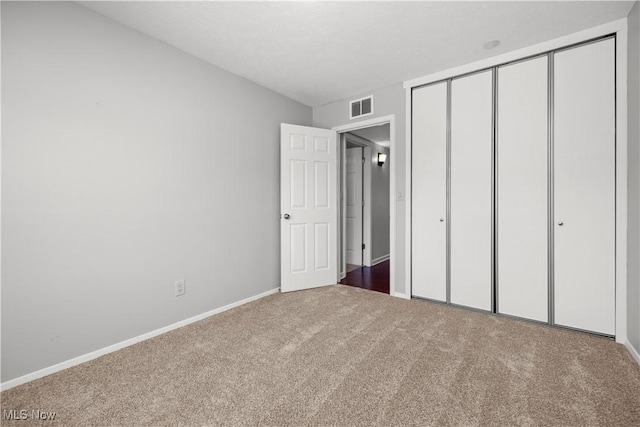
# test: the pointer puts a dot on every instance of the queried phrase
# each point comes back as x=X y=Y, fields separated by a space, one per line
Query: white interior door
x=354 y=206
x=309 y=207
x=471 y=190
x=429 y=194
x=522 y=189
x=584 y=188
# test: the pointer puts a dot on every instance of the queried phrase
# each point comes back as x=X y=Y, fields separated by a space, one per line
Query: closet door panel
x=522 y=213
x=471 y=190
x=429 y=194
x=584 y=190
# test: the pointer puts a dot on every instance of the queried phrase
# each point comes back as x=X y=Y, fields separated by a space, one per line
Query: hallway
x=374 y=278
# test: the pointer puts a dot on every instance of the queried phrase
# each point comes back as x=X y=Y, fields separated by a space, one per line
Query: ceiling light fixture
x=492 y=44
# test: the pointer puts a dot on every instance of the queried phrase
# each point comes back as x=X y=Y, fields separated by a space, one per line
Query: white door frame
x=620 y=28
x=391 y=120
x=343 y=164
x=367 y=228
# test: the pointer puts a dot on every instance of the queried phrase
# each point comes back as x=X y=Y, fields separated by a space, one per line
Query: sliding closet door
x=429 y=194
x=522 y=166
x=584 y=199
x=471 y=190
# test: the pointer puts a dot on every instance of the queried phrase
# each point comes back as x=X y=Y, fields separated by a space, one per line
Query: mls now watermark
x=23 y=414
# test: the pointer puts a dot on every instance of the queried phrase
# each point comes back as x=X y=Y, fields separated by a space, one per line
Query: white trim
x=1 y=222
x=620 y=28
x=391 y=119
x=634 y=353
x=621 y=185
x=380 y=259
x=358 y=140
x=400 y=295
x=366 y=198
x=407 y=193
x=367 y=231
x=126 y=343
x=366 y=124
x=351 y=116
x=393 y=149
x=367 y=214
x=367 y=194
x=0 y=189
x=342 y=182
x=580 y=36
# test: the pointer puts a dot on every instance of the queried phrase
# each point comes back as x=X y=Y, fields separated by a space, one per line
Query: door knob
x=561 y=223
x=287 y=216
x=441 y=219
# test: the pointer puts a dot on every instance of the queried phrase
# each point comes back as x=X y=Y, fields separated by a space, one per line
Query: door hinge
x=363 y=160
x=363 y=246
x=363 y=203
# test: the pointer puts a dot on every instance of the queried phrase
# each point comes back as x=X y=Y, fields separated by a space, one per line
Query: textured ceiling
x=320 y=52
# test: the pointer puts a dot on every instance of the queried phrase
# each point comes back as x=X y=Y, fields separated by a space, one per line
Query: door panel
x=584 y=188
x=298 y=181
x=321 y=181
x=322 y=250
x=429 y=194
x=522 y=189
x=354 y=206
x=308 y=202
x=471 y=190
x=298 y=248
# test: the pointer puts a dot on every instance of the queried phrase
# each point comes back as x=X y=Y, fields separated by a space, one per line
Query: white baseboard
x=400 y=295
x=126 y=343
x=634 y=353
x=378 y=260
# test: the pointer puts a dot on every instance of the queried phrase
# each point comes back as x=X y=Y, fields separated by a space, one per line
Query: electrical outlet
x=180 y=287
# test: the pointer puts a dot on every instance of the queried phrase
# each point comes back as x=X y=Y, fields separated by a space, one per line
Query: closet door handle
x=441 y=219
x=560 y=223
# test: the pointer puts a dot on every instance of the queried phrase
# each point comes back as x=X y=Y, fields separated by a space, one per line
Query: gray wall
x=389 y=100
x=127 y=164
x=380 y=181
x=633 y=236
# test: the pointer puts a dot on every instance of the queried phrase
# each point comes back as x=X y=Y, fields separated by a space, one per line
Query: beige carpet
x=348 y=356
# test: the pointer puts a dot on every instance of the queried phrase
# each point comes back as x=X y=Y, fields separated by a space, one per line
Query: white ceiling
x=378 y=134
x=320 y=52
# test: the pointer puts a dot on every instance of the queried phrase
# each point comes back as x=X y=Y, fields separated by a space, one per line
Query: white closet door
x=584 y=196
x=522 y=189
x=429 y=195
x=471 y=190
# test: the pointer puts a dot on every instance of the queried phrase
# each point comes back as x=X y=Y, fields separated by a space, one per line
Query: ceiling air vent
x=361 y=107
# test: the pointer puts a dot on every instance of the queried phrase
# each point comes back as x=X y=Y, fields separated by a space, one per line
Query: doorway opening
x=365 y=225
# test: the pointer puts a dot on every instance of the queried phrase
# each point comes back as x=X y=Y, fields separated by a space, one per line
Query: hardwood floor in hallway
x=374 y=278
